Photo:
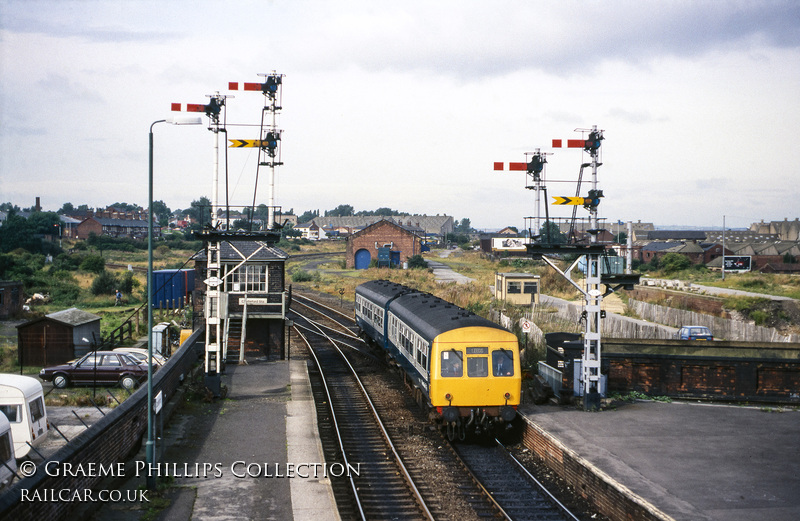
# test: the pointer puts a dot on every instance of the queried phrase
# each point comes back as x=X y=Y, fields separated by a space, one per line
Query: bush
x=104 y=284
x=417 y=262
x=304 y=276
x=93 y=264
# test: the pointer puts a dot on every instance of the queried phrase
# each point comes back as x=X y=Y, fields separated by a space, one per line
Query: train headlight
x=448 y=397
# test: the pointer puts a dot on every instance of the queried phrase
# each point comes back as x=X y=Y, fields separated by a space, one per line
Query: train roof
x=429 y=315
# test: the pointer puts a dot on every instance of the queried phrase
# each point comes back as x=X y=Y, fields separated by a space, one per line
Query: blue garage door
x=362 y=259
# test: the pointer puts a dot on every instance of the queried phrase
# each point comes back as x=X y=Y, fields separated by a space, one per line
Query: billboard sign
x=510 y=243
x=736 y=263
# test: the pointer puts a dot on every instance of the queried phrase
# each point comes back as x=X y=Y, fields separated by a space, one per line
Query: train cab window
x=502 y=362
x=451 y=364
x=478 y=366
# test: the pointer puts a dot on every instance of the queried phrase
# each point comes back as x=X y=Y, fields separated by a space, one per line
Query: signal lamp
x=536 y=165
x=593 y=143
x=270 y=87
x=213 y=108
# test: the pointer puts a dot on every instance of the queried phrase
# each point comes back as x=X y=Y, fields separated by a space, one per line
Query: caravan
x=22 y=401
x=8 y=463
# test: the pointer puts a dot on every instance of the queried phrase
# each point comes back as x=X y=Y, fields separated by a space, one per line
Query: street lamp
x=150 y=445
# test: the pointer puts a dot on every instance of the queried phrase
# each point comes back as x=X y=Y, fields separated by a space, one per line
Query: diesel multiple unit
x=464 y=367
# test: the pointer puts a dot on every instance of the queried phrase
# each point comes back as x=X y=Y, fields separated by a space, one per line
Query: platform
x=691 y=461
x=251 y=455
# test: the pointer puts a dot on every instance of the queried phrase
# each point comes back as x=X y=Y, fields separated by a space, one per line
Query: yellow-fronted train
x=465 y=368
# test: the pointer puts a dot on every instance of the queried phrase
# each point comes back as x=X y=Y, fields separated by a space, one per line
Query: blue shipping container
x=172 y=288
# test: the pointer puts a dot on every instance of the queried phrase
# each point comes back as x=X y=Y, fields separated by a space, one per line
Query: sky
x=407 y=105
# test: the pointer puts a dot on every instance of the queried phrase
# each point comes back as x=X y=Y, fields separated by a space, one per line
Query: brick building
x=363 y=246
x=112 y=223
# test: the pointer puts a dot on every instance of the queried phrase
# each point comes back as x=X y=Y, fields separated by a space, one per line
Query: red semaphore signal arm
x=571 y=143
x=235 y=85
x=188 y=107
x=511 y=166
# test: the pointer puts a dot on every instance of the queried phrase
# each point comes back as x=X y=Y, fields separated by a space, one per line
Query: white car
x=140 y=355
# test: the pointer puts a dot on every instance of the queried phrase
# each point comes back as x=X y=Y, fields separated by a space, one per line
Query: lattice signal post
x=270 y=139
x=214 y=304
x=534 y=166
x=593 y=252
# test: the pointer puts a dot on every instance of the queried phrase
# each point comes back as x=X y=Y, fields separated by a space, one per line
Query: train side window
x=478 y=366
x=451 y=364
x=502 y=362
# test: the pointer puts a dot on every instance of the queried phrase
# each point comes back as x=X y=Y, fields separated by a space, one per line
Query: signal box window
x=502 y=363
x=514 y=287
x=530 y=288
x=451 y=364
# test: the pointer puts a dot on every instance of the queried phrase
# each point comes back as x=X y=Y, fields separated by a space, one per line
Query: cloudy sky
x=408 y=104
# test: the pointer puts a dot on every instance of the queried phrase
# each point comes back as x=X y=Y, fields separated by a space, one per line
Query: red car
x=111 y=368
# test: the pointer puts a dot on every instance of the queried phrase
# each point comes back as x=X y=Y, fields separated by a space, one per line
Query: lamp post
x=150 y=444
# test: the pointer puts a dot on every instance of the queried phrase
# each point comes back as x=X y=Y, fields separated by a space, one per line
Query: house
x=383 y=241
x=113 y=223
x=58 y=337
x=311 y=231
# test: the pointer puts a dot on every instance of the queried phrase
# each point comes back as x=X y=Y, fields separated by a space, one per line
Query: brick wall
x=382 y=232
x=610 y=498
x=114 y=438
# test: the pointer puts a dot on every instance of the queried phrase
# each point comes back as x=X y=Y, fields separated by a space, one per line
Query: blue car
x=695 y=333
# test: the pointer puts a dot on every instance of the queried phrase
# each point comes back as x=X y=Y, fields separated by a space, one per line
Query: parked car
x=141 y=355
x=695 y=333
x=110 y=368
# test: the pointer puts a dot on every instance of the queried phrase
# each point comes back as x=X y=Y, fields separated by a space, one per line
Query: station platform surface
x=250 y=455
x=691 y=461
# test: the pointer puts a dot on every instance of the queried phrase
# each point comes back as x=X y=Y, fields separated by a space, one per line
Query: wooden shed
x=57 y=338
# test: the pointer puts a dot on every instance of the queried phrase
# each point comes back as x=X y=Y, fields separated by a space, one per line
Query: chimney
x=38 y=207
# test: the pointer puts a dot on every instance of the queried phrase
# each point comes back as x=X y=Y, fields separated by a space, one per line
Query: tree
x=162 y=212
x=463 y=226
x=307 y=216
x=551 y=234
x=17 y=232
x=44 y=223
x=673 y=262
x=343 y=210
x=621 y=238
x=200 y=210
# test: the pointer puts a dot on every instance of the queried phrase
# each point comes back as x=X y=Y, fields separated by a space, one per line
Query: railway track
x=468 y=481
x=353 y=435
x=517 y=492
